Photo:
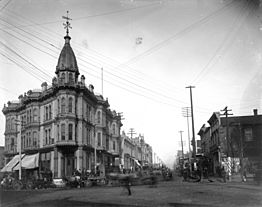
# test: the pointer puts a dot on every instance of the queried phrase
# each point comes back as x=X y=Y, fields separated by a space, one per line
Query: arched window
x=114 y=129
x=29 y=139
x=63 y=105
x=99 y=139
x=12 y=124
x=50 y=111
x=63 y=78
x=58 y=106
x=71 y=80
x=62 y=131
x=70 y=131
x=70 y=105
x=34 y=139
x=46 y=113
x=30 y=115
x=8 y=124
x=99 y=117
x=34 y=115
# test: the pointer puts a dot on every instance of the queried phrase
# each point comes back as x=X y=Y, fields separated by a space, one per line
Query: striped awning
x=12 y=163
x=29 y=162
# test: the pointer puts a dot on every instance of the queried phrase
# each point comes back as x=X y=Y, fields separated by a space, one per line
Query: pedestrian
x=223 y=174
x=127 y=184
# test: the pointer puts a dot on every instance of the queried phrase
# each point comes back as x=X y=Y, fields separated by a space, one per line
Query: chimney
x=255 y=112
x=44 y=86
x=83 y=79
x=91 y=88
x=20 y=98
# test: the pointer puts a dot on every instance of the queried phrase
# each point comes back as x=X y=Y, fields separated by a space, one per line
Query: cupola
x=67 y=69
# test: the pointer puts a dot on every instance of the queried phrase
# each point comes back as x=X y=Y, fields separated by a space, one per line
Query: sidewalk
x=235 y=182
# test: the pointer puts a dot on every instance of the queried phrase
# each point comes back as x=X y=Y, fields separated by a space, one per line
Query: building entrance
x=68 y=165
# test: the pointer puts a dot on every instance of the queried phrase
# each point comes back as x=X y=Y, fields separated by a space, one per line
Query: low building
x=243 y=144
x=205 y=135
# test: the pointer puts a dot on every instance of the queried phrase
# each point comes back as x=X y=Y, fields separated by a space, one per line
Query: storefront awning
x=29 y=162
x=136 y=161
x=12 y=163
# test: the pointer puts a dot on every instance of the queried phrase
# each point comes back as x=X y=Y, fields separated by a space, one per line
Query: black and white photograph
x=147 y=103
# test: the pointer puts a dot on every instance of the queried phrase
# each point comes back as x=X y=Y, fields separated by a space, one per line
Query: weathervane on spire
x=67 y=24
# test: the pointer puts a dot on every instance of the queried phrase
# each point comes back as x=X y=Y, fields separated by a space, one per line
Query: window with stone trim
x=63 y=105
x=13 y=124
x=71 y=79
x=58 y=106
x=114 y=129
x=50 y=111
x=99 y=117
x=70 y=131
x=62 y=131
x=63 y=78
x=248 y=134
x=70 y=105
x=35 y=115
x=46 y=137
x=46 y=112
x=35 y=139
x=99 y=139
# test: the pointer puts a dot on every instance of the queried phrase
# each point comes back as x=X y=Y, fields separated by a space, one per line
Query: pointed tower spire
x=67 y=69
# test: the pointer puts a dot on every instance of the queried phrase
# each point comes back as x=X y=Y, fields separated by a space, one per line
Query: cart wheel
x=17 y=185
x=29 y=185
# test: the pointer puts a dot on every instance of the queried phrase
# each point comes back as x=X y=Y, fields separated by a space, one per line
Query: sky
x=150 y=51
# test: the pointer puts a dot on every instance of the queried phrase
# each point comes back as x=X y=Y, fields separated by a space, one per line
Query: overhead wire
x=120 y=78
x=1 y=9
x=93 y=65
x=20 y=66
x=94 y=15
x=164 y=83
x=24 y=59
x=228 y=39
x=178 y=34
x=113 y=67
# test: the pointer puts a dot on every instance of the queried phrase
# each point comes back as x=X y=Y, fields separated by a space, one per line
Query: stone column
x=55 y=163
x=59 y=164
x=79 y=158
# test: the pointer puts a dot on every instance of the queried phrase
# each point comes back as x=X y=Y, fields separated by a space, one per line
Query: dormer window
x=63 y=78
x=70 y=77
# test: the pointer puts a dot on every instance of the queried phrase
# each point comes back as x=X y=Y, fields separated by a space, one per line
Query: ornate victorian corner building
x=63 y=122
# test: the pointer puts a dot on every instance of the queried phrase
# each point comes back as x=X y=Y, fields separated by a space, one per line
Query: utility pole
x=226 y=110
x=229 y=164
x=182 y=144
x=131 y=132
x=95 y=145
x=19 y=143
x=102 y=81
x=193 y=127
x=241 y=152
x=186 y=113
